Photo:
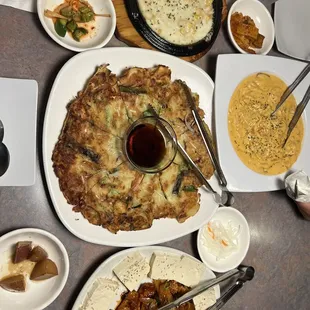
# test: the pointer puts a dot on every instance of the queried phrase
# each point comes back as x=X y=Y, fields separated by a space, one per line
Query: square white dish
x=292 y=24
x=18 y=113
x=230 y=71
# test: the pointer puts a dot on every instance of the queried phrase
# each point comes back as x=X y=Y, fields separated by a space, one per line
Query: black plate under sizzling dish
x=161 y=44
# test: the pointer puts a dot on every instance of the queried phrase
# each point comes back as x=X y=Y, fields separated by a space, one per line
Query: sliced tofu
x=102 y=295
x=188 y=271
x=132 y=271
x=163 y=266
x=205 y=299
x=184 y=270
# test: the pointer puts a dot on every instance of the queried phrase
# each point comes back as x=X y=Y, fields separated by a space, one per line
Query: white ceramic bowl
x=225 y=214
x=263 y=21
x=105 y=26
x=40 y=294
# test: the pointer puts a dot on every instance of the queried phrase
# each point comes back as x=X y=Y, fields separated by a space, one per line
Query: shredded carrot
x=211 y=231
x=224 y=243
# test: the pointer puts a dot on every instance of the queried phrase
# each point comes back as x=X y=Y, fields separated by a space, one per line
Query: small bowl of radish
x=224 y=241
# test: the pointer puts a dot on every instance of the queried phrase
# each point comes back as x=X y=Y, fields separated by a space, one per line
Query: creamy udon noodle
x=179 y=21
x=256 y=136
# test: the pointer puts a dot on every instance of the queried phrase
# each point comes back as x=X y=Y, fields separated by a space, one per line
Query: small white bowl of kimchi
x=78 y=25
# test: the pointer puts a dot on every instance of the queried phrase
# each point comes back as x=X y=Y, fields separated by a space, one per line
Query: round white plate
x=104 y=26
x=71 y=79
x=39 y=294
x=226 y=214
x=105 y=270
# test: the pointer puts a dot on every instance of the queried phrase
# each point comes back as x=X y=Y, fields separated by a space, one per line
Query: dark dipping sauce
x=146 y=146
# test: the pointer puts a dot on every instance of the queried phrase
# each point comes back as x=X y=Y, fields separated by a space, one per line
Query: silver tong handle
x=201 y=288
x=195 y=168
x=299 y=110
x=204 y=134
x=223 y=299
x=207 y=141
x=292 y=87
x=248 y=275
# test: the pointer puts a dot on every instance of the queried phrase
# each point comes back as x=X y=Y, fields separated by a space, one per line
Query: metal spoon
x=4 y=153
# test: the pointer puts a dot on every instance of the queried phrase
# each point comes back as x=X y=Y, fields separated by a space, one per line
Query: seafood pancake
x=88 y=161
x=72 y=168
x=101 y=147
x=101 y=104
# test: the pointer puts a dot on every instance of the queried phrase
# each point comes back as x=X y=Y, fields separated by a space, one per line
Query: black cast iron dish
x=154 y=39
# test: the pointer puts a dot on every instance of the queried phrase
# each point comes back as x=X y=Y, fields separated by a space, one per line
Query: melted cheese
x=256 y=136
x=179 y=21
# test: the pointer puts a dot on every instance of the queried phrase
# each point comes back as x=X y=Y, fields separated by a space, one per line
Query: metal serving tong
x=247 y=276
x=302 y=105
x=244 y=274
x=217 y=198
x=207 y=140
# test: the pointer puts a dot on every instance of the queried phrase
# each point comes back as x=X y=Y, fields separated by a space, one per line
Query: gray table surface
x=280 y=243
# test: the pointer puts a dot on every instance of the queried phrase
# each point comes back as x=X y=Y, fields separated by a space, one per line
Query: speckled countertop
x=280 y=238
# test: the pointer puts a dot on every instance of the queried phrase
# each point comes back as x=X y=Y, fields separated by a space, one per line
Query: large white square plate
x=230 y=71
x=18 y=113
x=292 y=22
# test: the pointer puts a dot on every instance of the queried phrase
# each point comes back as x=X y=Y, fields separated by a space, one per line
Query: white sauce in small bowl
x=181 y=22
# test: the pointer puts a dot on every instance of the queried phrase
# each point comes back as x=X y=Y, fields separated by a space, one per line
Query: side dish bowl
x=224 y=215
x=150 y=146
x=38 y=295
x=104 y=26
x=262 y=19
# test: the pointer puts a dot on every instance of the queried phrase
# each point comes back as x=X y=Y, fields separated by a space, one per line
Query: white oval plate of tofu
x=125 y=271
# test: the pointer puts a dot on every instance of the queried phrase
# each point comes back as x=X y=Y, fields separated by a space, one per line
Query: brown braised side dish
x=22 y=251
x=14 y=283
x=152 y=296
x=42 y=268
x=245 y=32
